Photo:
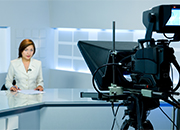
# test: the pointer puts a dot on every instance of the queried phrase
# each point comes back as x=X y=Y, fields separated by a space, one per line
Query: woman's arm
x=9 y=77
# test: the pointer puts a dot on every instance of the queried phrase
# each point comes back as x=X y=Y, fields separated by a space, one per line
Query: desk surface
x=11 y=101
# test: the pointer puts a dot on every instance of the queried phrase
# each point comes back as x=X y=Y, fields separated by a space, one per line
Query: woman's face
x=28 y=52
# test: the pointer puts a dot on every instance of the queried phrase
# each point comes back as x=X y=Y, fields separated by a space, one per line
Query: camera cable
x=168 y=117
x=93 y=78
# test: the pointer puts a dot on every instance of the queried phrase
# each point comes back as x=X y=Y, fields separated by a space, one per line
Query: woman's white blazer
x=25 y=80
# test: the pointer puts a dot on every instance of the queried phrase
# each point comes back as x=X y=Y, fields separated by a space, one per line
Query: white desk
x=64 y=109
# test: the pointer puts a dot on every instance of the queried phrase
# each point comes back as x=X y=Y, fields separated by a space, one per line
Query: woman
x=27 y=72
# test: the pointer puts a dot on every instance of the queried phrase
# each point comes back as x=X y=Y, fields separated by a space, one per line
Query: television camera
x=148 y=64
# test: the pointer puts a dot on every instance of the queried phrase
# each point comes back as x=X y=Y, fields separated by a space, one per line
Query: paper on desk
x=30 y=91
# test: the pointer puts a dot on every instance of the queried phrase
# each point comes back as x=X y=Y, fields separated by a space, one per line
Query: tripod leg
x=125 y=125
x=138 y=111
x=147 y=125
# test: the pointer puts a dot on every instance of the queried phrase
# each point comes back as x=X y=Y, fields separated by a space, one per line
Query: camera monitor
x=98 y=53
x=166 y=18
x=174 y=19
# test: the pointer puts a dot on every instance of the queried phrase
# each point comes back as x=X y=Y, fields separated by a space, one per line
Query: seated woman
x=26 y=71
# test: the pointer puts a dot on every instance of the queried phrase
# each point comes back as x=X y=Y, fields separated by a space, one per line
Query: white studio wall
x=5 y=53
x=5 y=49
x=101 y=13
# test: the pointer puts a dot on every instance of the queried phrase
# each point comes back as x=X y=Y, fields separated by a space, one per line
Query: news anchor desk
x=63 y=109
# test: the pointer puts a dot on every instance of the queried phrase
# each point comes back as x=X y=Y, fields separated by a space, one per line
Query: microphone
x=14 y=82
x=29 y=69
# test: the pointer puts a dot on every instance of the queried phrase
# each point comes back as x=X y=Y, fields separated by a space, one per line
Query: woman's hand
x=14 y=88
x=39 y=88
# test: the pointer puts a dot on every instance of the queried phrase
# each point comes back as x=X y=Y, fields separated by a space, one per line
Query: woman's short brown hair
x=25 y=43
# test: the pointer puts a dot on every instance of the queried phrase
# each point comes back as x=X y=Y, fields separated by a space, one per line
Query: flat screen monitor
x=166 y=18
x=98 y=53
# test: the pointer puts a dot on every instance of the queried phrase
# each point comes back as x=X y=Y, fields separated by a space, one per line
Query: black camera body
x=151 y=67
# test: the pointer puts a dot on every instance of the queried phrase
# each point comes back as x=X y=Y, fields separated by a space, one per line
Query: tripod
x=137 y=107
